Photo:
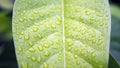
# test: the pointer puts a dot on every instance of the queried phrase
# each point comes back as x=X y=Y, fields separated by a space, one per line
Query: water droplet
x=39 y=36
x=41 y=23
x=33 y=58
x=24 y=66
x=93 y=55
x=101 y=24
x=46 y=46
x=68 y=66
x=44 y=3
x=19 y=48
x=77 y=62
x=87 y=13
x=81 y=48
x=35 y=29
x=37 y=24
x=22 y=33
x=36 y=12
x=77 y=9
x=59 y=19
x=75 y=56
x=40 y=48
x=20 y=37
x=70 y=44
x=99 y=41
x=58 y=23
x=19 y=9
x=75 y=49
x=93 y=41
x=32 y=50
x=39 y=60
x=79 y=30
x=30 y=44
x=59 y=58
x=69 y=48
x=26 y=37
x=47 y=53
x=45 y=65
x=84 y=31
x=21 y=20
x=47 y=26
x=32 y=18
x=53 y=26
x=72 y=17
x=74 y=26
x=41 y=15
x=81 y=18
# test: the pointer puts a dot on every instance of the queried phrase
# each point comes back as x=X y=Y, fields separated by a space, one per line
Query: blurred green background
x=7 y=52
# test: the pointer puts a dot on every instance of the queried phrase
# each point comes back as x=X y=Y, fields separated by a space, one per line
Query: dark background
x=7 y=52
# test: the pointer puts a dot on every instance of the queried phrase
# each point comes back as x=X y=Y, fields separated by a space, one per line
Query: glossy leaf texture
x=62 y=33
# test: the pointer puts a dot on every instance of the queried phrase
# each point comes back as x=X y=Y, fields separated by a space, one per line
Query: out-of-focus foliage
x=5 y=26
x=115 y=11
x=115 y=32
x=6 y=4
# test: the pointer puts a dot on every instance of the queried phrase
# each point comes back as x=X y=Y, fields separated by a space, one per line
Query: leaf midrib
x=63 y=29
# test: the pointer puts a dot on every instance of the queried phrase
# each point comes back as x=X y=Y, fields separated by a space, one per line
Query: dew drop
x=77 y=62
x=75 y=49
x=72 y=17
x=70 y=44
x=84 y=31
x=32 y=50
x=77 y=9
x=92 y=19
x=30 y=44
x=79 y=30
x=33 y=58
x=21 y=20
x=26 y=37
x=41 y=15
x=53 y=26
x=19 y=9
x=93 y=55
x=22 y=33
x=93 y=41
x=75 y=56
x=81 y=18
x=47 y=53
x=99 y=41
x=31 y=18
x=36 y=12
x=35 y=29
x=87 y=13
x=39 y=36
x=47 y=26
x=69 y=48
x=41 y=23
x=58 y=23
x=101 y=24
x=39 y=60
x=46 y=46
x=19 y=48
x=81 y=48
x=40 y=48
x=45 y=65
x=74 y=26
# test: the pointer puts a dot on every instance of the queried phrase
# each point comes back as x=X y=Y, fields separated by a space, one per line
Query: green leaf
x=115 y=10
x=61 y=33
x=112 y=62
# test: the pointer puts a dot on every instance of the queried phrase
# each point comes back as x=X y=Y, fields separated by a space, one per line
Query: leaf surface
x=61 y=33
